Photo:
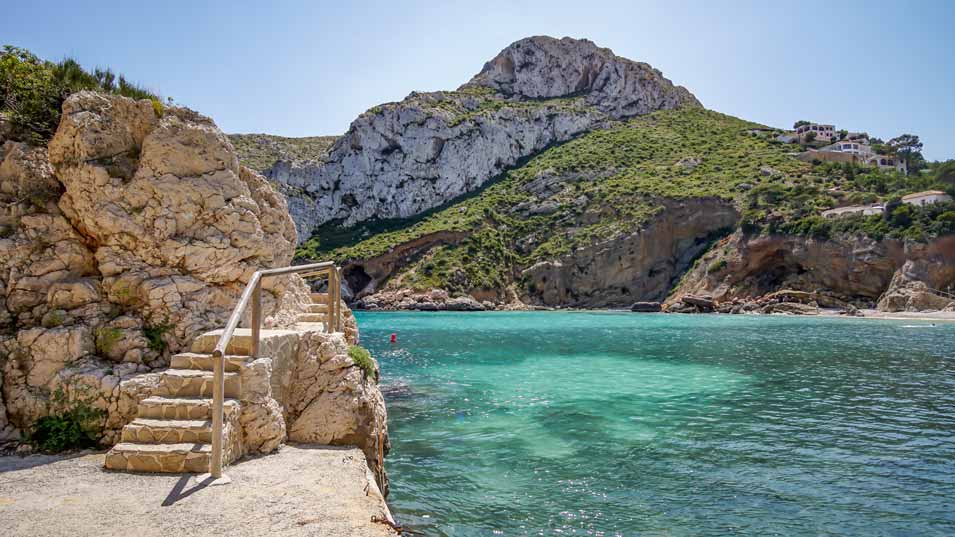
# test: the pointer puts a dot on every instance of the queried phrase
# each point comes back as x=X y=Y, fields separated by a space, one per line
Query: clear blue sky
x=309 y=68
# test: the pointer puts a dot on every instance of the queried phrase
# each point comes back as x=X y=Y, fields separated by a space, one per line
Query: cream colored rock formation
x=131 y=235
x=908 y=290
x=330 y=401
x=122 y=245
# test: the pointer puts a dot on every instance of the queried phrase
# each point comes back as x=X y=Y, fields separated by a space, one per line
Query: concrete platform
x=299 y=491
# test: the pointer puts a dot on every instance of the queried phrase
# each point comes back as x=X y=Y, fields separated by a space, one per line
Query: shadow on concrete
x=12 y=463
x=179 y=491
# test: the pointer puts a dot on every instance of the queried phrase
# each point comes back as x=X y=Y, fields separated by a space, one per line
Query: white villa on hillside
x=927 y=197
x=887 y=162
x=824 y=133
x=865 y=210
x=850 y=146
x=857 y=151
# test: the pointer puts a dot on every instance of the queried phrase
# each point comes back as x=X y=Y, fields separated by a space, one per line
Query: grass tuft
x=363 y=361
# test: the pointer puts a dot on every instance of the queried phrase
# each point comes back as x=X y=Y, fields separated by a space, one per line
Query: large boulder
x=331 y=401
x=178 y=226
x=646 y=307
x=134 y=231
x=907 y=292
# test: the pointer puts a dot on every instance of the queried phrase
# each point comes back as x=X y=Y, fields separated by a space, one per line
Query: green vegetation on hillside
x=32 y=90
x=849 y=184
x=261 y=151
x=611 y=182
x=603 y=184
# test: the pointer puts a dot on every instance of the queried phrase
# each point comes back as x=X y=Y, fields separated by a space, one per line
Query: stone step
x=183 y=408
x=195 y=383
x=320 y=297
x=310 y=318
x=271 y=342
x=170 y=458
x=317 y=308
x=153 y=431
x=204 y=361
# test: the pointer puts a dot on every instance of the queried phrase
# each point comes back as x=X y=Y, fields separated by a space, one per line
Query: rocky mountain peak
x=543 y=67
x=398 y=160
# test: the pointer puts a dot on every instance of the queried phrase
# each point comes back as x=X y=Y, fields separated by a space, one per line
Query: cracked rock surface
x=130 y=234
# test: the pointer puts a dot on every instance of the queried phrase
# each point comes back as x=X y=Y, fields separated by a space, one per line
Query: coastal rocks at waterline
x=400 y=159
x=133 y=232
x=433 y=300
x=646 y=307
x=861 y=272
x=786 y=301
x=908 y=291
x=330 y=400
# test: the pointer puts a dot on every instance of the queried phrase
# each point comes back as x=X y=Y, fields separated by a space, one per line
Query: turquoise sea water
x=556 y=423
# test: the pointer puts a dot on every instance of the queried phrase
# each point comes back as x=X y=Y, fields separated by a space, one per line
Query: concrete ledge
x=299 y=491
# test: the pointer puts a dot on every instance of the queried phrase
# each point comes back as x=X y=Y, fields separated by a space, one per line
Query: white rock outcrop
x=543 y=67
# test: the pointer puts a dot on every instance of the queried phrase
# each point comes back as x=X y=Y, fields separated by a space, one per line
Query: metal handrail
x=253 y=292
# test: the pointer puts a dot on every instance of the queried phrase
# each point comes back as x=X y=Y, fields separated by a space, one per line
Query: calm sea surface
x=553 y=423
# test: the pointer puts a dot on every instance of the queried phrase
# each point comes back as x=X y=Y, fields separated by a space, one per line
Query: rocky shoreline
x=783 y=302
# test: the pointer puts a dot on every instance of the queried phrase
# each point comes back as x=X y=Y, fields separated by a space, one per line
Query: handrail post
x=338 y=299
x=330 y=316
x=218 y=394
x=256 y=319
x=253 y=293
x=333 y=281
x=339 y=324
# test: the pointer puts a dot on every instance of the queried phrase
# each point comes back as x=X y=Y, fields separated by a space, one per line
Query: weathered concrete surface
x=299 y=491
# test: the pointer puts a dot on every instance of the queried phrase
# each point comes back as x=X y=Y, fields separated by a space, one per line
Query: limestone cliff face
x=637 y=267
x=130 y=235
x=400 y=159
x=892 y=274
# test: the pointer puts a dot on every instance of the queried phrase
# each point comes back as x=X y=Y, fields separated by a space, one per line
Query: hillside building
x=927 y=197
x=824 y=133
x=854 y=151
x=864 y=210
x=852 y=147
x=886 y=162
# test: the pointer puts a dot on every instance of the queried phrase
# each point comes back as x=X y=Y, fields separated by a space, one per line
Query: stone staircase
x=172 y=431
x=317 y=310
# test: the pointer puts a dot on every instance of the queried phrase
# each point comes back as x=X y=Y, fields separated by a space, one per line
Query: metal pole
x=218 y=394
x=256 y=319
